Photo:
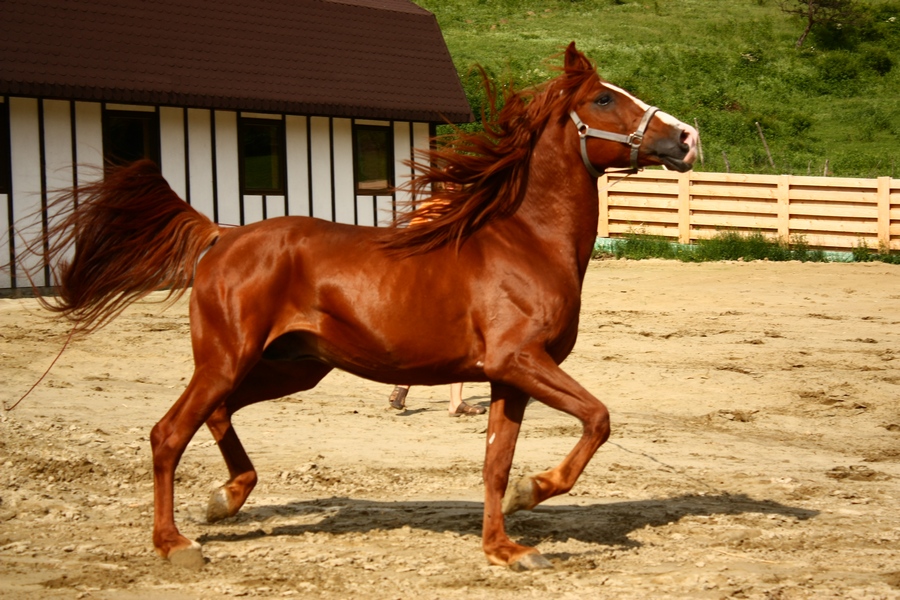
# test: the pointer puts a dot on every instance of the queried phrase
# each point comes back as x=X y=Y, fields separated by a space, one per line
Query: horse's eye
x=604 y=99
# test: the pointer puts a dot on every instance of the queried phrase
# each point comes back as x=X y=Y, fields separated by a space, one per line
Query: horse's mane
x=469 y=179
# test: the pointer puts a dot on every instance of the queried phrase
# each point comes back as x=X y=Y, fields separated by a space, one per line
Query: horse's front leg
x=505 y=419
x=545 y=381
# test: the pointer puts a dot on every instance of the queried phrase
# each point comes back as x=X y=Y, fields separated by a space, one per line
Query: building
x=252 y=109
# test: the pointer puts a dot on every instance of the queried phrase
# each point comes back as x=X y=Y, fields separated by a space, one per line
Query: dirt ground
x=755 y=453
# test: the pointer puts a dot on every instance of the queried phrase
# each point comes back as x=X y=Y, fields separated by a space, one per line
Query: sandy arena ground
x=755 y=454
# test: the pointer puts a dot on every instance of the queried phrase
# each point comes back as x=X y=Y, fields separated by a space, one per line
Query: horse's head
x=617 y=130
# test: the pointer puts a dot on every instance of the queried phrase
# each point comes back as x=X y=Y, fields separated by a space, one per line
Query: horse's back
x=266 y=244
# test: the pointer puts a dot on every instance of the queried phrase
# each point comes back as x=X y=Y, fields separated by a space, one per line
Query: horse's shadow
x=483 y=401
x=607 y=524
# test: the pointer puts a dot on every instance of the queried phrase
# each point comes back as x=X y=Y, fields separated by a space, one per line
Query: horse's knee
x=156 y=437
x=597 y=425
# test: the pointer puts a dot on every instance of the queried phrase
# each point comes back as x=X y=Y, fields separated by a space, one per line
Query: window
x=262 y=156
x=373 y=156
x=4 y=148
x=130 y=135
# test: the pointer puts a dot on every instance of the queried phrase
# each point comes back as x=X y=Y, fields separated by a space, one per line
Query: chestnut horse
x=278 y=304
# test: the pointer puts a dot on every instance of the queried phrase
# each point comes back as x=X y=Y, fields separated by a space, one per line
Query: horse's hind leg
x=227 y=500
x=505 y=419
x=267 y=380
x=168 y=439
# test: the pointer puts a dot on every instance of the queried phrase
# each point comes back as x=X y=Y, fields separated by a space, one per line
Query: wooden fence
x=830 y=213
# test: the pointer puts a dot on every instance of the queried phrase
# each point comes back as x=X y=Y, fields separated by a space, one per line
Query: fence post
x=884 y=213
x=784 y=208
x=603 y=205
x=684 y=208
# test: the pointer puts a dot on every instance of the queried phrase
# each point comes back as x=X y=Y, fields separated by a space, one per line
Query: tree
x=821 y=12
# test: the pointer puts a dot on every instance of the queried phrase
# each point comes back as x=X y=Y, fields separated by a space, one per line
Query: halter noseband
x=634 y=140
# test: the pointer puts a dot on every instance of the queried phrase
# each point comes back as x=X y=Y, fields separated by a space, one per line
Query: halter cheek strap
x=634 y=139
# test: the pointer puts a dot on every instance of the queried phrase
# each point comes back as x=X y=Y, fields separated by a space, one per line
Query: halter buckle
x=633 y=140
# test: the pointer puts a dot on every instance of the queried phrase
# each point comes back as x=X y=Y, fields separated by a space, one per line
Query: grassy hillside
x=727 y=64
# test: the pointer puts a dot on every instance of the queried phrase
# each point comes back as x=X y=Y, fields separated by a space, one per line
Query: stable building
x=252 y=109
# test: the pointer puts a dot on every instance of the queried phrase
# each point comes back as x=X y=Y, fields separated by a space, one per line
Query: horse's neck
x=560 y=205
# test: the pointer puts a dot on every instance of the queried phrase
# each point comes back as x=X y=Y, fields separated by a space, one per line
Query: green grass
x=862 y=253
x=726 y=245
x=726 y=64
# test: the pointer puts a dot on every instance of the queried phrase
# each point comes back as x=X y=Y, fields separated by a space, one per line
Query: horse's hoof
x=217 y=509
x=531 y=562
x=189 y=557
x=519 y=497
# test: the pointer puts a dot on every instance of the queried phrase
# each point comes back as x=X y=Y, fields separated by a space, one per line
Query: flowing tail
x=132 y=235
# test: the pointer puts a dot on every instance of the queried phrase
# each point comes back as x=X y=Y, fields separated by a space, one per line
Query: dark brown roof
x=382 y=59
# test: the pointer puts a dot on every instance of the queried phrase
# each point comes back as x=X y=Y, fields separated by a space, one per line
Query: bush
x=838 y=67
x=862 y=253
x=833 y=36
x=727 y=245
x=639 y=246
x=731 y=245
x=878 y=60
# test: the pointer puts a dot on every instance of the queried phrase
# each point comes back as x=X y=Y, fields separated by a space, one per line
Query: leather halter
x=634 y=139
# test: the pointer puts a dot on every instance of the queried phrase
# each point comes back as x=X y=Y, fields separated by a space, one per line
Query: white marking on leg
x=491 y=441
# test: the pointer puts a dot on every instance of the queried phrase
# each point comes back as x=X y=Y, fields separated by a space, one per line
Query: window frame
x=149 y=117
x=389 y=157
x=280 y=188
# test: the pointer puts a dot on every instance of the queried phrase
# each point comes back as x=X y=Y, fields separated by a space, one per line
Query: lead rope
x=61 y=350
x=628 y=174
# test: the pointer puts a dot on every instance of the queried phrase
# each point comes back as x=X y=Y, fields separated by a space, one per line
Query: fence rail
x=831 y=213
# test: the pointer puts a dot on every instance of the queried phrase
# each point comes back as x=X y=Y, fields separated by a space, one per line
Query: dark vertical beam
x=309 y=181
x=353 y=153
x=187 y=156
x=42 y=146
x=240 y=149
x=73 y=136
x=284 y=164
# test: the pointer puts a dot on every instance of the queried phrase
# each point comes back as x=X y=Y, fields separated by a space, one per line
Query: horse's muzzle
x=679 y=148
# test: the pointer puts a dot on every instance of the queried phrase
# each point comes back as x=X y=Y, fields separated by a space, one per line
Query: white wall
x=402 y=153
x=88 y=141
x=274 y=206
x=319 y=155
x=320 y=142
x=59 y=172
x=171 y=149
x=227 y=178
x=200 y=161
x=296 y=150
x=344 y=188
x=24 y=137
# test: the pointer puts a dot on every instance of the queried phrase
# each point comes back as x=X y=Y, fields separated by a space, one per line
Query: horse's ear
x=575 y=60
